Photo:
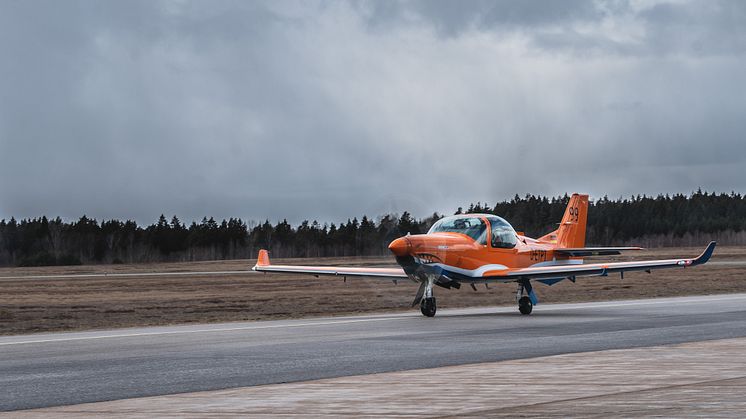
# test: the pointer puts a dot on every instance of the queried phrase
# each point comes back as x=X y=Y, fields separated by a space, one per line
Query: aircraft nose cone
x=400 y=246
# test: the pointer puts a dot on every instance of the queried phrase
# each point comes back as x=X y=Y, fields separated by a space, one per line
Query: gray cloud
x=330 y=110
x=451 y=18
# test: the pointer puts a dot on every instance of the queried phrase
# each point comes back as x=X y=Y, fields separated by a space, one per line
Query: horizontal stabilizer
x=593 y=251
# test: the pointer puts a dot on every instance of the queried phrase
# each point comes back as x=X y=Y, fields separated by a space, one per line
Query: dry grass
x=41 y=305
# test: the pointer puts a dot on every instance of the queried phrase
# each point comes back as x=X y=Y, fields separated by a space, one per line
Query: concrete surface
x=705 y=379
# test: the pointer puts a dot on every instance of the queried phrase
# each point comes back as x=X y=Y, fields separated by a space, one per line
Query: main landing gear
x=525 y=302
x=524 y=305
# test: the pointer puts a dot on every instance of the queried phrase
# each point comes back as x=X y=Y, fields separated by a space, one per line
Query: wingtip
x=706 y=255
x=262 y=259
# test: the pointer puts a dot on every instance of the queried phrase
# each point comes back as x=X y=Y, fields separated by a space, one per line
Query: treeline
x=650 y=221
x=665 y=220
x=44 y=242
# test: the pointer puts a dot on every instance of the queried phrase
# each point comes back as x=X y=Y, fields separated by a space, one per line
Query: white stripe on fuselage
x=471 y=272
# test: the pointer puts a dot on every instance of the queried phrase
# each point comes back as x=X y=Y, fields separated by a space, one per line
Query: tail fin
x=571 y=232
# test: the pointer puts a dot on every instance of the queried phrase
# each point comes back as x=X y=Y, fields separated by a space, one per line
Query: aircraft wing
x=593 y=269
x=593 y=251
x=263 y=265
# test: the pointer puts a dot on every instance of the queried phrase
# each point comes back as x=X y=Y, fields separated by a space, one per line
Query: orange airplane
x=483 y=248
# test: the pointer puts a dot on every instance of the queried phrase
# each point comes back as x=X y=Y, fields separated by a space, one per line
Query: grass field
x=29 y=305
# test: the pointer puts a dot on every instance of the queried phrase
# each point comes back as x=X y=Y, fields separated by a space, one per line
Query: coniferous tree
x=648 y=221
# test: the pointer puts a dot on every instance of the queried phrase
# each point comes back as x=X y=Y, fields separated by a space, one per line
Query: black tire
x=524 y=305
x=427 y=307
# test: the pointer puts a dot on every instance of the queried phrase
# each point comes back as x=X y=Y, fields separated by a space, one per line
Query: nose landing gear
x=427 y=306
x=425 y=297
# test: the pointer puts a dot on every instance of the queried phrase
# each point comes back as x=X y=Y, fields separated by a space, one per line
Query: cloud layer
x=334 y=109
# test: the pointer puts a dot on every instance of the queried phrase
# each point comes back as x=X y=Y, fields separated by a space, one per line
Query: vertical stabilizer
x=571 y=231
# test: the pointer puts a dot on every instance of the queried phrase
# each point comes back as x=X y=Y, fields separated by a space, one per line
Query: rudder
x=571 y=232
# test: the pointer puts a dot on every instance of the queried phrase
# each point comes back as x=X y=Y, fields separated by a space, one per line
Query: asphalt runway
x=70 y=368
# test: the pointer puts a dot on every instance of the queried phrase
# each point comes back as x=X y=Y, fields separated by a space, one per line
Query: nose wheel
x=427 y=306
x=425 y=297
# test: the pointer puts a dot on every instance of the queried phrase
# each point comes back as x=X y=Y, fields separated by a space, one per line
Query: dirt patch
x=42 y=305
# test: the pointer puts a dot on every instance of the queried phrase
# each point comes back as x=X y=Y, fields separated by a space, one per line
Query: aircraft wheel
x=524 y=305
x=427 y=306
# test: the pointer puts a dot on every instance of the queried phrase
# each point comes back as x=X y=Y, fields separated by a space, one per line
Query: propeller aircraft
x=483 y=248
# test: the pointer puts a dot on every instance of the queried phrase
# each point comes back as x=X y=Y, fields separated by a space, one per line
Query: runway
x=70 y=368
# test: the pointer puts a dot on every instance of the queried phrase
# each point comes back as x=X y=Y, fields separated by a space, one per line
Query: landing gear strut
x=525 y=305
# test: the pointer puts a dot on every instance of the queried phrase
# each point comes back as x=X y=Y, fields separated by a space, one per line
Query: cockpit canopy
x=501 y=234
x=469 y=225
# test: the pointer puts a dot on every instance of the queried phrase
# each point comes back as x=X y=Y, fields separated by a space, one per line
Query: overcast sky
x=329 y=110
